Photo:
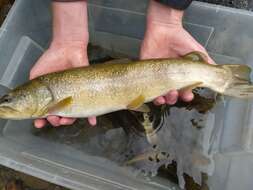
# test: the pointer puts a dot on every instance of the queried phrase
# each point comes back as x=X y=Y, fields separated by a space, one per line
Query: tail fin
x=240 y=85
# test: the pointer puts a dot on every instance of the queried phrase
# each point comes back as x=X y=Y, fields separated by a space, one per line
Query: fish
x=121 y=85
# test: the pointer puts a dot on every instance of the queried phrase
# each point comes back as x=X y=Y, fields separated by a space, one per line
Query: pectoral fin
x=57 y=106
x=192 y=86
x=60 y=105
x=196 y=56
x=138 y=105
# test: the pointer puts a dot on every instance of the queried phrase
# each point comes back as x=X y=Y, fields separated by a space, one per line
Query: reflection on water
x=173 y=142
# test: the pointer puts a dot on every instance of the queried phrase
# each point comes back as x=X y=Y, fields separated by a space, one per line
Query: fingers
x=58 y=121
x=40 y=123
x=186 y=96
x=159 y=101
x=67 y=121
x=209 y=59
x=170 y=98
x=92 y=121
x=195 y=46
x=54 y=120
x=41 y=66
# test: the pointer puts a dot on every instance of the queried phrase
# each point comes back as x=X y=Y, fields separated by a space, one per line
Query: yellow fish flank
x=108 y=87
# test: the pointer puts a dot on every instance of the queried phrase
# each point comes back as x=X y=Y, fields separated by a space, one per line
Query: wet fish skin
x=108 y=87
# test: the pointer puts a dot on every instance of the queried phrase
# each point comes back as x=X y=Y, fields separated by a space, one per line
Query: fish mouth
x=8 y=112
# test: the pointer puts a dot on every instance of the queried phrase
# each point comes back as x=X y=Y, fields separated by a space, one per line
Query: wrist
x=159 y=13
x=70 y=22
x=73 y=54
x=55 y=44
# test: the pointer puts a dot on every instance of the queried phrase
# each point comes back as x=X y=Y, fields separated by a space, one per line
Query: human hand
x=68 y=49
x=57 y=58
x=165 y=37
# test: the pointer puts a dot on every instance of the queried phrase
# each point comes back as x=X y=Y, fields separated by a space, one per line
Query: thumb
x=78 y=58
x=39 y=69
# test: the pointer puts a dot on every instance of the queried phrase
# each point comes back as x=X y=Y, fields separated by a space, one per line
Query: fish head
x=23 y=102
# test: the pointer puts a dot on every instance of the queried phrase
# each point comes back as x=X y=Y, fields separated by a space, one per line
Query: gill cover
x=25 y=101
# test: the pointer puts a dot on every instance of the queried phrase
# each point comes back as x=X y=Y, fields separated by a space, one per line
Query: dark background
x=242 y=4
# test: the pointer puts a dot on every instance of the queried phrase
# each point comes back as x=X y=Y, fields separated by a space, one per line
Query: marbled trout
x=108 y=87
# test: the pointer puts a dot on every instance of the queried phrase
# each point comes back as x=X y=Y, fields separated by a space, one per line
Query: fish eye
x=5 y=99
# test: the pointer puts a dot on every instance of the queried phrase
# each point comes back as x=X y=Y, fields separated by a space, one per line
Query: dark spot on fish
x=154 y=146
x=126 y=155
x=150 y=159
x=163 y=153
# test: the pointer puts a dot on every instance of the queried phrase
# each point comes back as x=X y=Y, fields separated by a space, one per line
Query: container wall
x=119 y=25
